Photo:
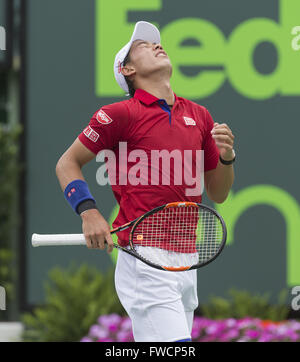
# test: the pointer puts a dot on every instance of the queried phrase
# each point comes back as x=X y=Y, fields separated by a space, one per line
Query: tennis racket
x=176 y=236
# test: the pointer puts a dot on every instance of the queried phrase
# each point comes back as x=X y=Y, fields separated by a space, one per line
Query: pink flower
x=215 y=327
x=106 y=340
x=97 y=331
x=124 y=336
x=86 y=339
x=126 y=324
x=252 y=333
x=114 y=328
x=108 y=320
x=231 y=322
x=231 y=335
x=266 y=337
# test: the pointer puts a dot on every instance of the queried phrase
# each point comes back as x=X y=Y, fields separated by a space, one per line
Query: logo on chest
x=189 y=121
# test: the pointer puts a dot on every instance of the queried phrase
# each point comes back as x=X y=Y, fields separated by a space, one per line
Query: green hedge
x=74 y=300
x=77 y=296
x=241 y=303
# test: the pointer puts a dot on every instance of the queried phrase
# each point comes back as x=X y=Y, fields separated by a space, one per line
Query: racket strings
x=184 y=236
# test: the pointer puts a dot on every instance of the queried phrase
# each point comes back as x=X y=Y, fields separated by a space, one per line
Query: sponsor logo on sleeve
x=91 y=134
x=189 y=121
x=103 y=118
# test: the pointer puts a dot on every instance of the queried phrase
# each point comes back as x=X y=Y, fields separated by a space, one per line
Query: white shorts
x=159 y=303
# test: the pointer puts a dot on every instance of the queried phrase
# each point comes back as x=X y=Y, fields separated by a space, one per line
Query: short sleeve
x=106 y=128
x=211 y=152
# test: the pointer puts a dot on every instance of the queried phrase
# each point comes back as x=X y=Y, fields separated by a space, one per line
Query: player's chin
x=165 y=63
x=159 y=66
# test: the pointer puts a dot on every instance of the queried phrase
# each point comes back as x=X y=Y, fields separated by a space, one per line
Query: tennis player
x=160 y=304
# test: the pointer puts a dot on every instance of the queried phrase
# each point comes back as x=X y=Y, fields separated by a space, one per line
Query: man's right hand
x=96 y=230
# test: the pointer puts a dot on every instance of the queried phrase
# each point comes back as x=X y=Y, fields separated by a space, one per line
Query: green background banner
x=235 y=58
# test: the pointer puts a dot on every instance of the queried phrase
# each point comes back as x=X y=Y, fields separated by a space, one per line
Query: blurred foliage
x=75 y=298
x=9 y=171
x=241 y=304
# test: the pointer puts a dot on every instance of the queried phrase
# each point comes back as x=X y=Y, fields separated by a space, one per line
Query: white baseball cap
x=142 y=31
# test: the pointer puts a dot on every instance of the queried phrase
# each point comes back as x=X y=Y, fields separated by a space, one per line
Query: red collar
x=146 y=97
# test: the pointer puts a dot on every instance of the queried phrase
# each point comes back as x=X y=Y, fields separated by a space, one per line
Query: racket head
x=178 y=236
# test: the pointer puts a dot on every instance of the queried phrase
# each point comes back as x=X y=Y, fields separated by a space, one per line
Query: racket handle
x=57 y=239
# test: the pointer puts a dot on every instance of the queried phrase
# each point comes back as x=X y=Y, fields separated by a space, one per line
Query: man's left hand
x=224 y=139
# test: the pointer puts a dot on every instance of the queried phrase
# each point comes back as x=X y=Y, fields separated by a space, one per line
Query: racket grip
x=57 y=239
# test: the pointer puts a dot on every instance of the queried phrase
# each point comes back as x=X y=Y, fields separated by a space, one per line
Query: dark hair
x=128 y=81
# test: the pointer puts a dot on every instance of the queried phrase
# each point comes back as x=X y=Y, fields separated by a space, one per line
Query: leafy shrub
x=241 y=304
x=74 y=300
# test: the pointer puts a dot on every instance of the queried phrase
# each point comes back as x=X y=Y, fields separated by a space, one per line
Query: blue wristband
x=76 y=192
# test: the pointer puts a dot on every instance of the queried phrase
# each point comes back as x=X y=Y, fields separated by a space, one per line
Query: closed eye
x=143 y=43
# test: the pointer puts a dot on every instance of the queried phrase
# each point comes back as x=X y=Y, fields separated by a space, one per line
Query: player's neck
x=161 y=90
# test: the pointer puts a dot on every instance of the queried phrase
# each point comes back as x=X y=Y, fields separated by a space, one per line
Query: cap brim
x=142 y=31
x=145 y=31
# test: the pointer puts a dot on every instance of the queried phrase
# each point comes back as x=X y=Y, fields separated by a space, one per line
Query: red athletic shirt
x=145 y=123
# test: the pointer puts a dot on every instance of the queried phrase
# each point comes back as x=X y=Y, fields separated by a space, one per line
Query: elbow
x=60 y=165
x=218 y=199
x=66 y=163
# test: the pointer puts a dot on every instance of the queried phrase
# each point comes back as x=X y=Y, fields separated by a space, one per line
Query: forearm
x=68 y=170
x=95 y=229
x=220 y=182
x=68 y=167
x=68 y=173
